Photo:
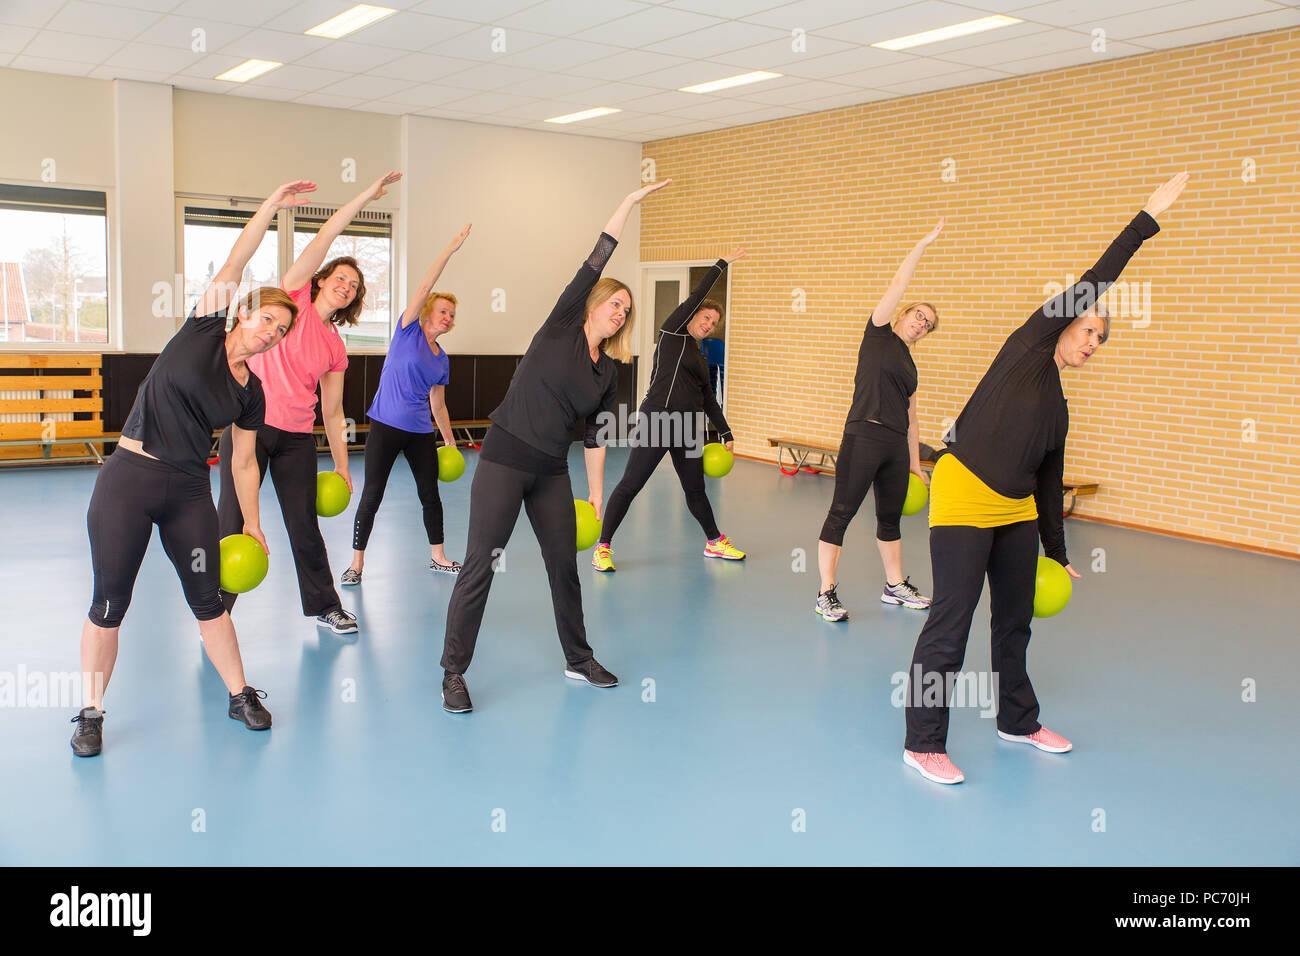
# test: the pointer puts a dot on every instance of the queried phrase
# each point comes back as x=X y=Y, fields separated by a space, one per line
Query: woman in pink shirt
x=313 y=353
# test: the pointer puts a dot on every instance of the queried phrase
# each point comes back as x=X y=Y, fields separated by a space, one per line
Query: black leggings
x=132 y=494
x=421 y=450
x=494 y=501
x=961 y=556
x=880 y=457
x=292 y=459
x=641 y=464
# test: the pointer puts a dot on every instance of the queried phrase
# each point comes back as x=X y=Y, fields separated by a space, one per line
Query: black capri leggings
x=641 y=464
x=877 y=457
x=382 y=446
x=494 y=501
x=132 y=494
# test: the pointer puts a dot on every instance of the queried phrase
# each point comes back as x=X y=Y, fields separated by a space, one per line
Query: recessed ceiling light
x=741 y=80
x=248 y=70
x=350 y=21
x=947 y=33
x=585 y=114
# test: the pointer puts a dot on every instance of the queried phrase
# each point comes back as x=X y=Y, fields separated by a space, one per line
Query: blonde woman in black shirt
x=881 y=444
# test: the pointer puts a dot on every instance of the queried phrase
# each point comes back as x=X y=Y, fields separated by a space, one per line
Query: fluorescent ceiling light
x=729 y=82
x=585 y=114
x=248 y=70
x=948 y=33
x=350 y=21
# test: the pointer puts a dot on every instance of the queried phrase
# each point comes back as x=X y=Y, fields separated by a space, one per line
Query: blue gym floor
x=760 y=708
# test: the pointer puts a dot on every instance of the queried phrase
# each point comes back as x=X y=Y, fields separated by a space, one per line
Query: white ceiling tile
x=44 y=65
x=847 y=99
x=265 y=93
x=382 y=106
x=90 y=19
x=1078 y=57
x=627 y=122
x=558 y=55
x=617 y=94
x=248 y=13
x=945 y=82
x=1177 y=16
x=489 y=76
x=210 y=66
x=127 y=73
x=157 y=6
x=789 y=91
x=550 y=85
x=563 y=18
x=731 y=9
x=846 y=61
x=688 y=74
x=535 y=111
x=722 y=38
x=665 y=102
x=273 y=45
x=180 y=32
x=412 y=31
x=421 y=67
x=813 y=15
x=301 y=78
x=480 y=43
x=1089 y=13
x=649 y=26
x=366 y=87
x=712 y=109
x=13 y=39
x=150 y=56
x=27 y=13
x=1258 y=23
x=488 y=103
x=623 y=64
x=333 y=102
x=1016 y=48
x=199 y=85
x=72 y=47
x=766 y=114
x=913 y=18
x=348 y=56
x=777 y=54
x=912 y=68
x=482 y=11
x=425 y=96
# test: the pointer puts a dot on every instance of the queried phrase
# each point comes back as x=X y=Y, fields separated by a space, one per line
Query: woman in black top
x=567 y=374
x=997 y=491
x=679 y=387
x=881 y=445
x=159 y=475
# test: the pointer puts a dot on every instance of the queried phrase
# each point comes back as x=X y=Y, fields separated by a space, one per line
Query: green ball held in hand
x=451 y=463
x=1052 y=588
x=243 y=563
x=332 y=494
x=717 y=460
x=917 y=495
x=588 y=524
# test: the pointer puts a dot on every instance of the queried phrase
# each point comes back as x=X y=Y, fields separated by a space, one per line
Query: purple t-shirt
x=410 y=371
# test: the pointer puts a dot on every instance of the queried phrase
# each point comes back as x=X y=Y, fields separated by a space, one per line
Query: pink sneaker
x=936 y=767
x=1043 y=739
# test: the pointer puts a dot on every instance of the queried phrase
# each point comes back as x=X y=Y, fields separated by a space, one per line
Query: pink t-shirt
x=292 y=369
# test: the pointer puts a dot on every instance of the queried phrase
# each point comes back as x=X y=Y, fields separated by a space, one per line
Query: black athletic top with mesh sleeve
x=680 y=379
x=556 y=382
x=190 y=393
x=1011 y=433
x=884 y=382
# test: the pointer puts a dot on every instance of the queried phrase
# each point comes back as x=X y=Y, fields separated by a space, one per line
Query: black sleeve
x=570 y=307
x=1055 y=315
x=1049 y=497
x=206 y=323
x=714 y=411
x=606 y=405
x=253 y=415
x=683 y=313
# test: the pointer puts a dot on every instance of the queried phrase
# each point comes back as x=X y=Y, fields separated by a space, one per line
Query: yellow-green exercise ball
x=451 y=463
x=243 y=563
x=588 y=524
x=1052 y=588
x=717 y=460
x=917 y=495
x=332 y=494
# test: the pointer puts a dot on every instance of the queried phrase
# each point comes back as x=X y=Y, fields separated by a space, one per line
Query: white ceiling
x=436 y=57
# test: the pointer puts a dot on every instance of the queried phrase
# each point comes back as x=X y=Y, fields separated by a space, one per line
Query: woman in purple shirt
x=409 y=400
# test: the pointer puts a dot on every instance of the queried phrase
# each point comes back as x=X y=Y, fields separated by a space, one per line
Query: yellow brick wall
x=1048 y=169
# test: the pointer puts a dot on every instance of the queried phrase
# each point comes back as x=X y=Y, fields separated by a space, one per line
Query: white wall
x=66 y=119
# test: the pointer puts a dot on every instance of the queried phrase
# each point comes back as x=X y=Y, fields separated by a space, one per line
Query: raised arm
x=221 y=292
x=683 y=314
x=412 y=311
x=614 y=228
x=883 y=313
x=1055 y=315
x=304 y=268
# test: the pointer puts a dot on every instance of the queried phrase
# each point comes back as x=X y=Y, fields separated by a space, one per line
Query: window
x=210 y=234
x=369 y=240
x=53 y=266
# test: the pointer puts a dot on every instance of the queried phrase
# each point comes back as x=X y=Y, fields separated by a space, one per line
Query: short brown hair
x=268 y=295
x=349 y=315
x=912 y=305
x=713 y=304
x=616 y=346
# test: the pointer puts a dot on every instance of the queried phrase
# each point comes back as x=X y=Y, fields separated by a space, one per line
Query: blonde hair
x=268 y=296
x=912 y=305
x=617 y=346
x=433 y=297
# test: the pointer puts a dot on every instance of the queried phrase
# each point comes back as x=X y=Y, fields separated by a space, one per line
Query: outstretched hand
x=461 y=236
x=288 y=195
x=644 y=191
x=1165 y=196
x=377 y=189
x=933 y=234
x=736 y=254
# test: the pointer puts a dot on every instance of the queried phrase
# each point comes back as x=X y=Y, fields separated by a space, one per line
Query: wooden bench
x=27 y=393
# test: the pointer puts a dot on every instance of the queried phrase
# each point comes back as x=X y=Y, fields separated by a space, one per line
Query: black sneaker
x=592 y=673
x=338 y=620
x=88 y=738
x=247 y=706
x=455 y=695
